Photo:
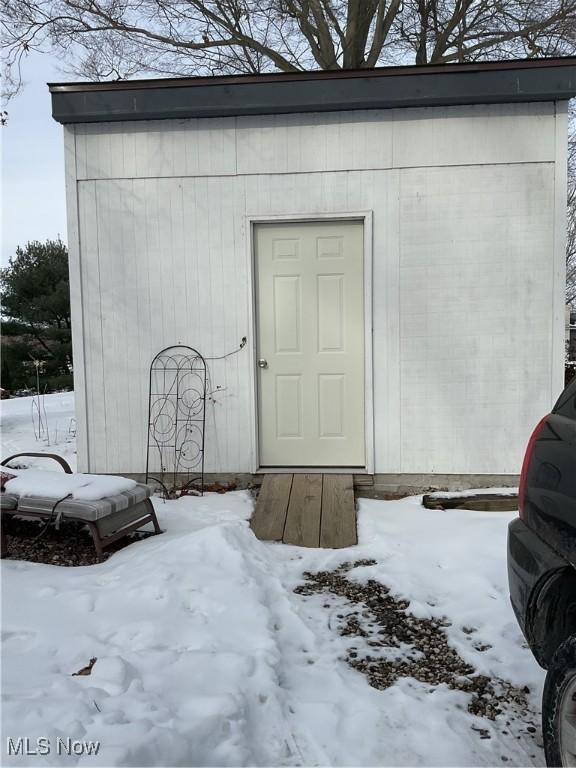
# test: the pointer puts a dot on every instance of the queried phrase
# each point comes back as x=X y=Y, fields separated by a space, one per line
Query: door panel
x=289 y=415
x=330 y=313
x=287 y=314
x=310 y=332
x=331 y=410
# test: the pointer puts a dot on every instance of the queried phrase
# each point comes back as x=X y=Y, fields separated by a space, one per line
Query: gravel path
x=402 y=645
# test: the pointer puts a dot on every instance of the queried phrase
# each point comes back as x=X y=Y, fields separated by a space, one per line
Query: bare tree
x=105 y=39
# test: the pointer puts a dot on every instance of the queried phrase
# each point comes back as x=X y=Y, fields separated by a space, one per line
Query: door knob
x=262 y=363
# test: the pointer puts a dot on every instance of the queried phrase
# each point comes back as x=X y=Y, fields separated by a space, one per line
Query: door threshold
x=312 y=470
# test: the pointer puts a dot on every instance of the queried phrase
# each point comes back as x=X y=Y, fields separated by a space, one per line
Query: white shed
x=391 y=244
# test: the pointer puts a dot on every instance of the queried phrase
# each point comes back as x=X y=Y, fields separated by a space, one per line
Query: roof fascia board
x=225 y=97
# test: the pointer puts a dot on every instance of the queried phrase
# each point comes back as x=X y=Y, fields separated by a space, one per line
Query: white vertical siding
x=333 y=141
x=76 y=298
x=386 y=325
x=558 y=300
x=156 y=148
x=476 y=267
x=466 y=276
x=315 y=142
x=91 y=309
x=473 y=135
x=174 y=272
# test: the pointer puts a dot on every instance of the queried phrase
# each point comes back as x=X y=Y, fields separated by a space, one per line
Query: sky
x=33 y=197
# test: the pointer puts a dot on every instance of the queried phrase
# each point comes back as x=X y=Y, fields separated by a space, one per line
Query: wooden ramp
x=306 y=510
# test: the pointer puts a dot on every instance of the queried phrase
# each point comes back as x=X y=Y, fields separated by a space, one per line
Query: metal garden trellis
x=176 y=419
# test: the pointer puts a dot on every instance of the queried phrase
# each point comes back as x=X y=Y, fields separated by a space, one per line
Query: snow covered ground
x=55 y=434
x=205 y=655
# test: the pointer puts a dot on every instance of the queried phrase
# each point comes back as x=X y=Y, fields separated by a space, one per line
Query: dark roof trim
x=318 y=91
x=338 y=74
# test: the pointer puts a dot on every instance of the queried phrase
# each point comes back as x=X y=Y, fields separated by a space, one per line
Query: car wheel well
x=552 y=617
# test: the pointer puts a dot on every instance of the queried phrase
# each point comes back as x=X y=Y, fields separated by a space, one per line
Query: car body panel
x=532 y=568
x=542 y=542
x=550 y=500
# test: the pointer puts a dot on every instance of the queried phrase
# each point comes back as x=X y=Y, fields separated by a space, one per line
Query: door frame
x=252 y=221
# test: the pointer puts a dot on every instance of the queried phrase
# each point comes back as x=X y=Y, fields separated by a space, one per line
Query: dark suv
x=542 y=569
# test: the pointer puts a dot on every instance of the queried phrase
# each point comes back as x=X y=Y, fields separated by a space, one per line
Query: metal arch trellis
x=176 y=419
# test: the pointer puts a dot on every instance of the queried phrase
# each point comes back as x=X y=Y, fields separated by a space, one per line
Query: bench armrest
x=63 y=463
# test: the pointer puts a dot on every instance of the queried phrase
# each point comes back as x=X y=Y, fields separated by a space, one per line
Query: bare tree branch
x=122 y=38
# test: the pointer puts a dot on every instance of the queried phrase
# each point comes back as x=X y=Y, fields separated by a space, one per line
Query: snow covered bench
x=108 y=518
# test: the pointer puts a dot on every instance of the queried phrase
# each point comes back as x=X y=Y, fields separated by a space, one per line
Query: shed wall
x=466 y=280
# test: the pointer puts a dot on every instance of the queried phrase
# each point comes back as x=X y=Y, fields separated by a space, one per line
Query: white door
x=310 y=344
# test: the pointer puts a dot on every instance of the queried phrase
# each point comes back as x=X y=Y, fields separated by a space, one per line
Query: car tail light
x=526 y=465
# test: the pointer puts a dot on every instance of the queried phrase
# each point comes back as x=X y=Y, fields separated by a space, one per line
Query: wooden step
x=269 y=517
x=306 y=510
x=338 y=528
